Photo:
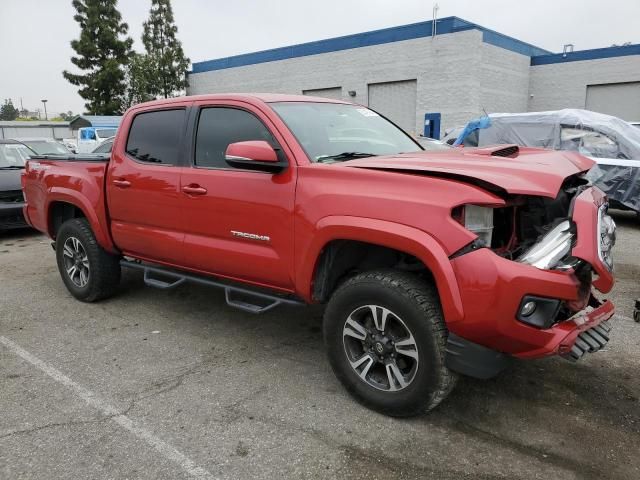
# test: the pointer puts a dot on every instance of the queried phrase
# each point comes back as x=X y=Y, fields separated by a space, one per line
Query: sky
x=35 y=34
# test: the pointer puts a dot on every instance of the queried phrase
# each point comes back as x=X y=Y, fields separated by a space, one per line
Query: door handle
x=122 y=183
x=194 y=190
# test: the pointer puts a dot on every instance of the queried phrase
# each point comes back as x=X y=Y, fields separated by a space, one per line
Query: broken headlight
x=552 y=247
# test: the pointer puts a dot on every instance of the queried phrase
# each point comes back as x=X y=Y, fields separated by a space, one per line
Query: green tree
x=8 y=111
x=102 y=54
x=165 y=50
x=66 y=116
x=139 y=80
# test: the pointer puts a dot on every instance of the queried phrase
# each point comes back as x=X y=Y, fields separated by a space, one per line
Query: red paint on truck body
x=184 y=216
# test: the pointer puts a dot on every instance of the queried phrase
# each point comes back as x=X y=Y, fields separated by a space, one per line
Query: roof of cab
x=250 y=97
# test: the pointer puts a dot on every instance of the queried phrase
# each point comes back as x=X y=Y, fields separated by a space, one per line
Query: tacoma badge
x=251 y=236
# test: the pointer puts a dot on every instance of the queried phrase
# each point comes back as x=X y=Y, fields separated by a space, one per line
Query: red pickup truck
x=431 y=263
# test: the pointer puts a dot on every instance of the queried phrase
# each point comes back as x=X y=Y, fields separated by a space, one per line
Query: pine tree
x=164 y=50
x=139 y=80
x=102 y=53
x=8 y=111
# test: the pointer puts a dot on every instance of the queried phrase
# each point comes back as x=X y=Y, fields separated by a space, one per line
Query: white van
x=90 y=137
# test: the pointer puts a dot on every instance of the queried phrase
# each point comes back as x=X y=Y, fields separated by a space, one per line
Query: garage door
x=396 y=101
x=618 y=99
x=334 y=93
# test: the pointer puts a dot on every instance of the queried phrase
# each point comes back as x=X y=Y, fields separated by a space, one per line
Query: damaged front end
x=547 y=255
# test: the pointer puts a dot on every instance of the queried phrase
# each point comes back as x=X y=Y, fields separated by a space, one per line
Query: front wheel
x=386 y=338
x=88 y=271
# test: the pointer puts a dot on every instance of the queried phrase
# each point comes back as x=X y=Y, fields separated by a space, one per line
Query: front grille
x=12 y=196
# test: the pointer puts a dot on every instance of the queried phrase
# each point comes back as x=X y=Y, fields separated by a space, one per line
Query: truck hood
x=10 y=180
x=527 y=171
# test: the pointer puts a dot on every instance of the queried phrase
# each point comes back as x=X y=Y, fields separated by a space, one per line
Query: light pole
x=44 y=102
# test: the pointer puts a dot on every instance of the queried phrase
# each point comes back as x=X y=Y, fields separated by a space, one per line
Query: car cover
x=613 y=143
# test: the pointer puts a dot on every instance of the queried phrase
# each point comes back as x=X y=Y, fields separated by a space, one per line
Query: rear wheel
x=386 y=337
x=88 y=271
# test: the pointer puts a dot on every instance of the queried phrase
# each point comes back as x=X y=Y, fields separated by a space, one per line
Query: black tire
x=103 y=274
x=417 y=304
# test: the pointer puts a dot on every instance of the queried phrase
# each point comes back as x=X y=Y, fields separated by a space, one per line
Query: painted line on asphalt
x=91 y=399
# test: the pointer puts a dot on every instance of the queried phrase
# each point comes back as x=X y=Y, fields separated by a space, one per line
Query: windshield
x=105 y=132
x=343 y=131
x=42 y=147
x=13 y=155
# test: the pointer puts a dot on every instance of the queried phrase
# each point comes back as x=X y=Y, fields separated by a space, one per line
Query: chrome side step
x=589 y=341
x=244 y=299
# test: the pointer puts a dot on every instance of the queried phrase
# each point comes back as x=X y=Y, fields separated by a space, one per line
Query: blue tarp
x=482 y=122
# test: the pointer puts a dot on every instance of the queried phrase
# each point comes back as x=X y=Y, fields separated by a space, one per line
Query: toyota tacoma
x=431 y=263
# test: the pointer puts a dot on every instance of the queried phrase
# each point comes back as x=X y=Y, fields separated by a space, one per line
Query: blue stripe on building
x=581 y=55
x=366 y=39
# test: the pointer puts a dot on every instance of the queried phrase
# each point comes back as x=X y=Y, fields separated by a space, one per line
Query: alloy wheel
x=380 y=348
x=76 y=262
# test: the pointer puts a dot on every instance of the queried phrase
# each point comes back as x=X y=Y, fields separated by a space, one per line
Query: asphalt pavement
x=169 y=385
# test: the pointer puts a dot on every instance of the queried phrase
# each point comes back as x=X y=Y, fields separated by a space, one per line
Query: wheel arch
x=65 y=204
x=336 y=230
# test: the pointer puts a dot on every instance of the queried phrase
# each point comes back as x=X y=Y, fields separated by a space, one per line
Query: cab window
x=220 y=126
x=154 y=137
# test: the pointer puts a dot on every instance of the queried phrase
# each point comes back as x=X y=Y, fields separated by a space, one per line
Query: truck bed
x=52 y=182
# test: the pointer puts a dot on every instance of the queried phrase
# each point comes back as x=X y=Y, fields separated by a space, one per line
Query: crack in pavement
x=379 y=457
x=38 y=428
x=135 y=428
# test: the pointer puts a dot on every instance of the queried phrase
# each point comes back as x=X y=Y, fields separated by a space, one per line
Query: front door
x=143 y=187
x=239 y=223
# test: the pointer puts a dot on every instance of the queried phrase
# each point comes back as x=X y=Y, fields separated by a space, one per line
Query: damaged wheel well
x=340 y=259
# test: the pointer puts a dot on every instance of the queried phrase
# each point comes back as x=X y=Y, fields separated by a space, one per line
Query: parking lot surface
x=168 y=385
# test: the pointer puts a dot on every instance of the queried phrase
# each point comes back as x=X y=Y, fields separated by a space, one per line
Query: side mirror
x=254 y=155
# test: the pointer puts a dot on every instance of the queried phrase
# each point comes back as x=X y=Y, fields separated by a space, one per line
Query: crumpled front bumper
x=492 y=289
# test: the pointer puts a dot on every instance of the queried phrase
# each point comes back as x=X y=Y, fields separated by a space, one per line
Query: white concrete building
x=405 y=73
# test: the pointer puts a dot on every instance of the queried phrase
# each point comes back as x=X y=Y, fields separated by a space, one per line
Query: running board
x=241 y=298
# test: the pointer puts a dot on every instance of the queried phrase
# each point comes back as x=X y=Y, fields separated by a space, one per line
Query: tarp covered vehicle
x=613 y=143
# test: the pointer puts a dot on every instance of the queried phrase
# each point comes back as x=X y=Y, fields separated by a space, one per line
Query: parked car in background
x=431 y=263
x=13 y=156
x=71 y=144
x=613 y=143
x=45 y=146
x=429 y=143
x=90 y=137
x=635 y=124
x=105 y=147
x=451 y=134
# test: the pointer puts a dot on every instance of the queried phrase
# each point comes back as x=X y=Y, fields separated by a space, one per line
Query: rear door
x=240 y=225
x=143 y=186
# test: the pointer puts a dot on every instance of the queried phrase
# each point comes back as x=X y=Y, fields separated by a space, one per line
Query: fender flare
x=75 y=198
x=387 y=234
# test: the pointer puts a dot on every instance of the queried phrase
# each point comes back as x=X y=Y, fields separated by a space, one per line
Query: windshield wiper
x=344 y=156
x=12 y=167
